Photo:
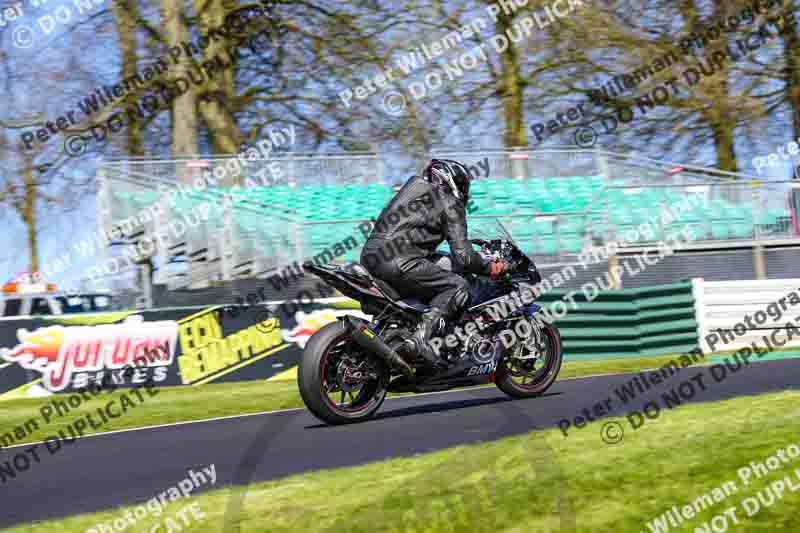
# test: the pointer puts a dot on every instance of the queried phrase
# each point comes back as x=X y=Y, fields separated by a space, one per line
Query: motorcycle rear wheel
x=319 y=375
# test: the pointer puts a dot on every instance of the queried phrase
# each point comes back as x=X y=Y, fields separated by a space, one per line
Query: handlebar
x=517 y=262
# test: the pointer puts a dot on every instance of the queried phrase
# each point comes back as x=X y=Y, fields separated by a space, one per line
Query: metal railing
x=260 y=231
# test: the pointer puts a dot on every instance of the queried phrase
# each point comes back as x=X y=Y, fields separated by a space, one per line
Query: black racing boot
x=431 y=324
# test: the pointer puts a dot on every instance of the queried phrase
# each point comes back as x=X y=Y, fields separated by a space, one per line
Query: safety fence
x=721 y=212
x=294 y=207
x=209 y=230
x=278 y=168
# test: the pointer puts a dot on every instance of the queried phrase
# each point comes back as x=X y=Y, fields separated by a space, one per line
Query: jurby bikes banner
x=39 y=356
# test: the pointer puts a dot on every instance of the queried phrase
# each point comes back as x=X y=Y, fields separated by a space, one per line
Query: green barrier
x=646 y=321
x=627 y=322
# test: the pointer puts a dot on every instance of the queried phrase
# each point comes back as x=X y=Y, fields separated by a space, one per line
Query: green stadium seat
x=571 y=224
x=543 y=227
x=743 y=230
x=719 y=219
x=720 y=230
x=572 y=244
x=547 y=245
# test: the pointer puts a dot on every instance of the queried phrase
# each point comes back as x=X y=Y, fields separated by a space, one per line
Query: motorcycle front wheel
x=527 y=372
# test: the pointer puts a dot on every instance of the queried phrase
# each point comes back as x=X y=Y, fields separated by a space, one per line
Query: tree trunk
x=221 y=89
x=126 y=14
x=791 y=50
x=723 y=119
x=512 y=86
x=184 y=107
x=29 y=217
x=723 y=127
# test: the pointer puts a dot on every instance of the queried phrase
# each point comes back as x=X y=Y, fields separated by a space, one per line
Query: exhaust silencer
x=371 y=341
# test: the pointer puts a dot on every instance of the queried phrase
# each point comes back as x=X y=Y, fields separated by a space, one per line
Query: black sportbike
x=349 y=365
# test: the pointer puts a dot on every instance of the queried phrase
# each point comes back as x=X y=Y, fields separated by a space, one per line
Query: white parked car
x=52 y=303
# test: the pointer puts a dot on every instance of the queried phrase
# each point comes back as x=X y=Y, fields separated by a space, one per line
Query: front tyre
x=339 y=383
x=530 y=368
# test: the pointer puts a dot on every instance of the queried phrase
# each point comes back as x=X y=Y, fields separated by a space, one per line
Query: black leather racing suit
x=408 y=230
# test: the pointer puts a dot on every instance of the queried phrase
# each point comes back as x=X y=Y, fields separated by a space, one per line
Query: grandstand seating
x=717 y=219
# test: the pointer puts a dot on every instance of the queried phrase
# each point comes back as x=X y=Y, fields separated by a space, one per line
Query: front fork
x=531 y=341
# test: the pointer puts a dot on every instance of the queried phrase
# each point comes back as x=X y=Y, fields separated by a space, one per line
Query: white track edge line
x=278 y=411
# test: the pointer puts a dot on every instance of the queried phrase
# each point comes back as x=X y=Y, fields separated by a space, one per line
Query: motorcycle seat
x=357 y=271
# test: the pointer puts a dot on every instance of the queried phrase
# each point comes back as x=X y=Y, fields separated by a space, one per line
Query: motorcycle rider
x=427 y=210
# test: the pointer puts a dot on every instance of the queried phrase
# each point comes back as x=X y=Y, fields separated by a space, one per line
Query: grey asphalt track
x=104 y=471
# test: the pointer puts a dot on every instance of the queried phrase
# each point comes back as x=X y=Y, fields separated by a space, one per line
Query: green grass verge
x=570 y=369
x=169 y=404
x=179 y=404
x=573 y=369
x=530 y=483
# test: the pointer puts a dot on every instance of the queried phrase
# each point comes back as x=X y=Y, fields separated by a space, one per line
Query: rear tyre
x=339 y=383
x=531 y=377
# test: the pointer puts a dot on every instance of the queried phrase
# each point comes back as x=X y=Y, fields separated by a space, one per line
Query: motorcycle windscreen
x=532 y=270
x=507 y=236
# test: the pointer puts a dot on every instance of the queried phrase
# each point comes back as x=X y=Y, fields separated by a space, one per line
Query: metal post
x=558 y=238
x=613 y=265
x=602 y=166
x=299 y=231
x=227 y=242
x=147 y=286
x=161 y=252
x=756 y=210
x=794 y=195
x=759 y=262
